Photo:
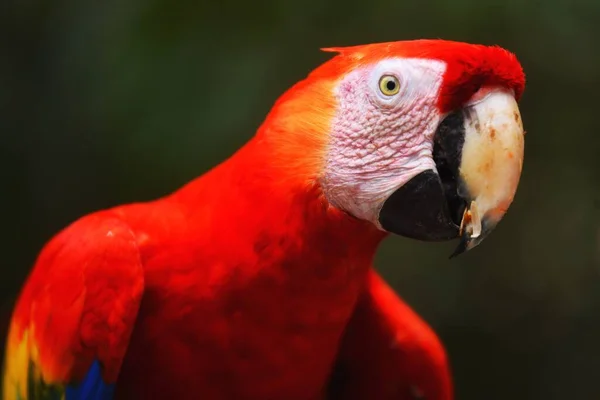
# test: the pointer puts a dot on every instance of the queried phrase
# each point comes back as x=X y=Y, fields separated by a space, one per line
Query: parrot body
x=255 y=280
x=238 y=318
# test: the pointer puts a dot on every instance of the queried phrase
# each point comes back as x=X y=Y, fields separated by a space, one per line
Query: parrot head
x=421 y=138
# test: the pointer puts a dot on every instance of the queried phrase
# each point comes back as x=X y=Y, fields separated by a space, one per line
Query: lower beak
x=478 y=152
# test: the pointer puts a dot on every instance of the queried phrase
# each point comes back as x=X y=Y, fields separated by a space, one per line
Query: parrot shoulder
x=71 y=327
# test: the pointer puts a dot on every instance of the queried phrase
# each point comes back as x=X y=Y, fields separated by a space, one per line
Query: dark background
x=106 y=102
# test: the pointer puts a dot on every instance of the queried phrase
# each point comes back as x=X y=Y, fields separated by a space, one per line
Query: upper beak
x=491 y=164
x=478 y=152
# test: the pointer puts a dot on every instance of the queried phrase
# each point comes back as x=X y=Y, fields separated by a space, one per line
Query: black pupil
x=390 y=85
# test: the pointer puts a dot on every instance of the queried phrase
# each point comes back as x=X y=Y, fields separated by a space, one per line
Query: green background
x=107 y=102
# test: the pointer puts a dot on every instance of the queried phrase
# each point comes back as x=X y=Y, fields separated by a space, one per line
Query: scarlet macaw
x=255 y=280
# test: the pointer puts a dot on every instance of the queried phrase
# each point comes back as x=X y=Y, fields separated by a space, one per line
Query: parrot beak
x=478 y=152
x=491 y=164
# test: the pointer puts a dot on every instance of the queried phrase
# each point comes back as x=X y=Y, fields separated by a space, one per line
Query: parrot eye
x=389 y=85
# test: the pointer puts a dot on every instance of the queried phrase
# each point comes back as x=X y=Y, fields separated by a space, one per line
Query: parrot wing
x=71 y=327
x=389 y=352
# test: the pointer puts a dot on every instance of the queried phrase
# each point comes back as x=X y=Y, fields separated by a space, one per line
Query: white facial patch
x=379 y=142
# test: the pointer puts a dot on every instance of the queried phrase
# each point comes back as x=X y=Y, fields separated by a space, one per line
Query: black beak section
x=419 y=210
x=430 y=207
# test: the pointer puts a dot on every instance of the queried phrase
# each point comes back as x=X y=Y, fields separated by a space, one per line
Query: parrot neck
x=279 y=214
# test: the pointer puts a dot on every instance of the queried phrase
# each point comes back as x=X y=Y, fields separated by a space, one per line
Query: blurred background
x=111 y=102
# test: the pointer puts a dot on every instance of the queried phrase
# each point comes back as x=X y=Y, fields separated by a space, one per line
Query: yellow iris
x=389 y=85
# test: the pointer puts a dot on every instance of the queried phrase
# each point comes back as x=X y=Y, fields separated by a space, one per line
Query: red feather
x=469 y=66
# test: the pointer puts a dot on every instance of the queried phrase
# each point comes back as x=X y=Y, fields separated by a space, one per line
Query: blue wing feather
x=92 y=387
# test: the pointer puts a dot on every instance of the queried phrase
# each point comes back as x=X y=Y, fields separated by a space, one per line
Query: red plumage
x=469 y=66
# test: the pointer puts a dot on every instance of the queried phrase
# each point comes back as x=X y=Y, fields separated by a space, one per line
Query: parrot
x=256 y=279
